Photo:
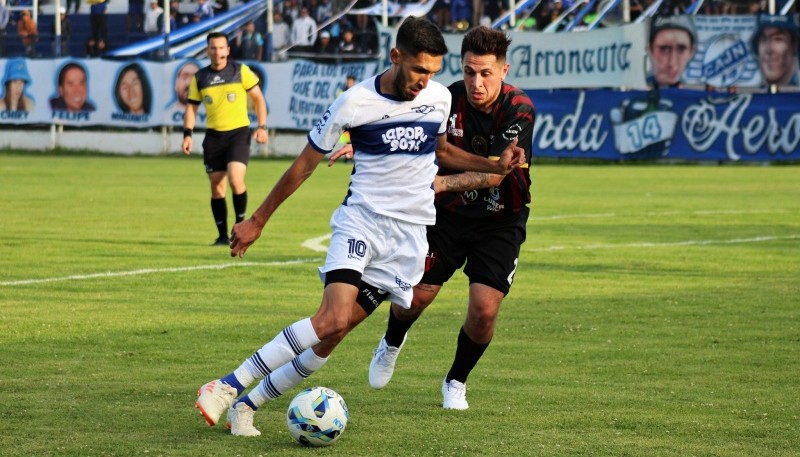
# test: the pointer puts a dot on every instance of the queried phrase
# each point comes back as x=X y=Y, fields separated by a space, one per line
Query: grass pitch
x=655 y=312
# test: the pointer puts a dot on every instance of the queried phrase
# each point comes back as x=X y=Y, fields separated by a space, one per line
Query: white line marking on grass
x=114 y=274
x=758 y=239
x=315 y=244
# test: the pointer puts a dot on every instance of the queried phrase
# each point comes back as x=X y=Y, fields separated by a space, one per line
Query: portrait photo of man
x=775 y=45
x=73 y=93
x=183 y=78
x=672 y=44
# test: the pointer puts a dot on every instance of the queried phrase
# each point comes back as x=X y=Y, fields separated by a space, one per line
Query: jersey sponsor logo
x=405 y=138
x=208 y=100
x=424 y=109
x=512 y=132
x=452 y=130
x=492 y=200
x=217 y=80
x=322 y=121
x=404 y=286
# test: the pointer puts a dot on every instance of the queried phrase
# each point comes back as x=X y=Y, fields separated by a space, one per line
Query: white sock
x=286 y=377
x=286 y=345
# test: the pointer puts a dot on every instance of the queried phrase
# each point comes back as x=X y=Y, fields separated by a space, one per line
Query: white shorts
x=389 y=253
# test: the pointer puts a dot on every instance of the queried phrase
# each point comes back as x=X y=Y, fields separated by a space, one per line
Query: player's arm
x=464 y=181
x=189 y=118
x=458 y=159
x=261 y=136
x=248 y=231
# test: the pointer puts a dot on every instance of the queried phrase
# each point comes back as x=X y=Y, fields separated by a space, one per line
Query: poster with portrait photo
x=724 y=55
x=182 y=73
x=775 y=45
x=132 y=94
x=71 y=101
x=16 y=101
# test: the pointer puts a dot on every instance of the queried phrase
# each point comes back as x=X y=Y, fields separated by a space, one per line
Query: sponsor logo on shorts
x=404 y=286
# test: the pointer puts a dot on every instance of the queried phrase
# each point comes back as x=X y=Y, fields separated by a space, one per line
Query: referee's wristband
x=262 y=127
x=187 y=133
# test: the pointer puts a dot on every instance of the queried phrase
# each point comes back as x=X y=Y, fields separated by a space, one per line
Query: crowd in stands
x=301 y=27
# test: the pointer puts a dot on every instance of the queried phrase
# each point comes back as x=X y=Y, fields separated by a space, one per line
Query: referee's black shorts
x=490 y=249
x=220 y=148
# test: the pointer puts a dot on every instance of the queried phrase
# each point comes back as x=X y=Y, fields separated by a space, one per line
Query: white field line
x=114 y=274
x=317 y=244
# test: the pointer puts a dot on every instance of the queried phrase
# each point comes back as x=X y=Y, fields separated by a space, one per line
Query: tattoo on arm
x=470 y=180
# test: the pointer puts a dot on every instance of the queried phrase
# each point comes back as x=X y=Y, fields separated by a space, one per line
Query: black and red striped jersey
x=487 y=135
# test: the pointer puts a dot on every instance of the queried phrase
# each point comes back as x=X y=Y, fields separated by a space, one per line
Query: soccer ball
x=317 y=416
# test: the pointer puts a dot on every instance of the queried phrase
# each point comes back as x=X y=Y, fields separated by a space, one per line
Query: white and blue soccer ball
x=317 y=416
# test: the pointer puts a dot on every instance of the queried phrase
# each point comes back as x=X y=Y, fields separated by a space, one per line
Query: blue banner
x=666 y=124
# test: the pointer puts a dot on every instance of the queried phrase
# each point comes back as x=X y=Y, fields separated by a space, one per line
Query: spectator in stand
x=153 y=19
x=66 y=33
x=281 y=36
x=5 y=16
x=461 y=14
x=323 y=12
x=135 y=15
x=441 y=14
x=304 y=31
x=250 y=43
x=28 y=33
x=348 y=45
x=205 y=10
x=366 y=34
x=99 y=24
x=323 y=45
x=220 y=6
x=77 y=4
x=290 y=10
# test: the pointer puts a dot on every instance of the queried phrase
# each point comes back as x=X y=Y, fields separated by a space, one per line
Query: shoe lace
x=244 y=416
x=457 y=389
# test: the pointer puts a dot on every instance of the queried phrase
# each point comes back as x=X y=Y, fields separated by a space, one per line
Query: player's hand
x=346 y=151
x=261 y=136
x=438 y=184
x=243 y=235
x=512 y=157
x=187 y=145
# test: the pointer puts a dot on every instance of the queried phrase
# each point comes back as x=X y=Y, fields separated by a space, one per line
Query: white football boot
x=213 y=399
x=240 y=420
x=454 y=395
x=381 y=368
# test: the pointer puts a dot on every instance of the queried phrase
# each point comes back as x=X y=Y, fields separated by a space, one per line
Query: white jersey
x=394 y=145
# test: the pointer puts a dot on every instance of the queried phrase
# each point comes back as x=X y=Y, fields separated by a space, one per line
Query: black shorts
x=490 y=249
x=220 y=148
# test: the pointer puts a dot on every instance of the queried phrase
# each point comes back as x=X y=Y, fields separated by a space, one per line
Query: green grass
x=655 y=312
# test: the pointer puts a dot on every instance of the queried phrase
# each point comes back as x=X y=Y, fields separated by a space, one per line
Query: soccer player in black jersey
x=223 y=87
x=480 y=218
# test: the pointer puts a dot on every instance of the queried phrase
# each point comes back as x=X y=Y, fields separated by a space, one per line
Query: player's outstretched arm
x=458 y=159
x=245 y=233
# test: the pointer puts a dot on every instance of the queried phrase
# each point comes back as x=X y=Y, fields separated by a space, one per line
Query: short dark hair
x=213 y=35
x=417 y=34
x=484 y=41
x=63 y=73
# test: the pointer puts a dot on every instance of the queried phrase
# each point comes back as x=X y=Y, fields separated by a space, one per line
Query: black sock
x=468 y=353
x=220 y=212
x=240 y=205
x=396 y=329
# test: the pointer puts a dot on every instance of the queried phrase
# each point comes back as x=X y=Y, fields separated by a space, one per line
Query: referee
x=222 y=87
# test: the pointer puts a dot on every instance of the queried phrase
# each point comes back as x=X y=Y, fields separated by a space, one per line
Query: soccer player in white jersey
x=397 y=123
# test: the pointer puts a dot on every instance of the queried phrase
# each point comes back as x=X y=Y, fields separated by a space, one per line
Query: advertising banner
x=666 y=124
